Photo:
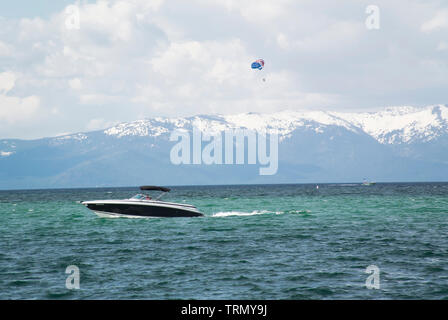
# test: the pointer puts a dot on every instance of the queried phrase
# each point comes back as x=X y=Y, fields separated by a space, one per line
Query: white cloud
x=75 y=83
x=282 y=41
x=335 y=37
x=257 y=11
x=31 y=29
x=439 y=21
x=7 y=81
x=14 y=109
x=5 y=49
x=97 y=124
x=442 y=46
x=98 y=99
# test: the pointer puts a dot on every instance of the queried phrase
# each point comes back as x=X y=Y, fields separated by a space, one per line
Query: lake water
x=255 y=242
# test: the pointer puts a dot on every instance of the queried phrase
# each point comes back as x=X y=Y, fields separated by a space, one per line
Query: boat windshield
x=141 y=197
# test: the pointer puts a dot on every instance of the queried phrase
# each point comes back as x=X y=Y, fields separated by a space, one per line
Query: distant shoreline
x=235 y=185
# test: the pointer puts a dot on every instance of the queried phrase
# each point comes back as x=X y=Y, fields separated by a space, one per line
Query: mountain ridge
x=391 y=125
x=394 y=144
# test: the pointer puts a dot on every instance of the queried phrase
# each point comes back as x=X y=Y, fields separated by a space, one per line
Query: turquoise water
x=255 y=242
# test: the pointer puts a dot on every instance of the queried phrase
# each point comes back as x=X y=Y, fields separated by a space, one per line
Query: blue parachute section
x=256 y=65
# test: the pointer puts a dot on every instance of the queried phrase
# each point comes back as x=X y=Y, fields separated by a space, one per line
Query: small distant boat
x=368 y=183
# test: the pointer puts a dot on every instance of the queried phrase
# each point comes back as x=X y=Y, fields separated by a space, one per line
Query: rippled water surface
x=255 y=242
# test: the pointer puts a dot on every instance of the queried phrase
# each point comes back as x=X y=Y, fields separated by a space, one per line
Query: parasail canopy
x=258 y=64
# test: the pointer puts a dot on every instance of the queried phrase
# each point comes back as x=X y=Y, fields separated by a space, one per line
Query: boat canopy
x=155 y=188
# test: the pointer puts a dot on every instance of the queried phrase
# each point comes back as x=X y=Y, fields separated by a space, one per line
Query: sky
x=74 y=66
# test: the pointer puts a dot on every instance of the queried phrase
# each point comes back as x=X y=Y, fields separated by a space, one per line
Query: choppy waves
x=254 y=242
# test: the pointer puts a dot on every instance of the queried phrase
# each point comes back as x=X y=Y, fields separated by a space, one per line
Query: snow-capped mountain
x=394 y=144
x=402 y=124
x=395 y=125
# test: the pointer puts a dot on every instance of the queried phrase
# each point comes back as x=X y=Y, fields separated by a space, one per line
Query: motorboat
x=142 y=205
x=368 y=183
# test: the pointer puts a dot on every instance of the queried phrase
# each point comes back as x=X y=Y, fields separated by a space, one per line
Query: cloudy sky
x=127 y=60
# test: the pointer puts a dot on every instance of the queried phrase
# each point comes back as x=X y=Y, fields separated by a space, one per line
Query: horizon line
x=227 y=185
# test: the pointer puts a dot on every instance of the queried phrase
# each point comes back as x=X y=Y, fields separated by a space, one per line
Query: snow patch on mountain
x=402 y=124
x=393 y=125
x=6 y=153
x=77 y=136
x=282 y=123
x=285 y=122
x=136 y=128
